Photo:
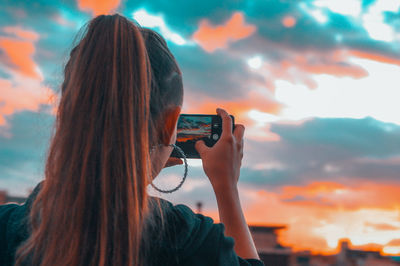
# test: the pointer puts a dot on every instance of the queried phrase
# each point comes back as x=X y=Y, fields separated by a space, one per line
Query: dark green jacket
x=196 y=239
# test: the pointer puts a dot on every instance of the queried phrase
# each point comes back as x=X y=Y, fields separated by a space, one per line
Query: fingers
x=201 y=147
x=238 y=132
x=226 y=122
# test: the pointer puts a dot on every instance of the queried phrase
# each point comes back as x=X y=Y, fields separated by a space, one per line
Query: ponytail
x=92 y=205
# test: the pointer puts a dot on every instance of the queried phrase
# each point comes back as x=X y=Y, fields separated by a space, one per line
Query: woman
x=121 y=99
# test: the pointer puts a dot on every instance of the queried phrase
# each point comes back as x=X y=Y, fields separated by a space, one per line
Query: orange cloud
x=211 y=37
x=22 y=33
x=19 y=51
x=297 y=69
x=335 y=195
x=335 y=65
x=24 y=89
x=382 y=226
x=394 y=242
x=98 y=7
x=289 y=21
x=335 y=70
x=310 y=190
x=22 y=94
x=375 y=57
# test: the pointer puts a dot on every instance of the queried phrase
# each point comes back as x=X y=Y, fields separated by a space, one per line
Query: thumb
x=201 y=147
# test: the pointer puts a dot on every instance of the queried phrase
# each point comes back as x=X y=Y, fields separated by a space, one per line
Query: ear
x=170 y=120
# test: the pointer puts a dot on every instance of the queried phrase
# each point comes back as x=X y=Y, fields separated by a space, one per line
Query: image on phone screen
x=193 y=128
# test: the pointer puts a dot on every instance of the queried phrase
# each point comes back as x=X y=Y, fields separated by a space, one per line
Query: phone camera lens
x=215 y=136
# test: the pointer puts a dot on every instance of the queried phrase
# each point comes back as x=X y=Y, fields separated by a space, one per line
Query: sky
x=314 y=82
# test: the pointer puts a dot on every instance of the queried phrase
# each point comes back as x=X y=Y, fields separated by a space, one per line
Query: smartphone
x=194 y=127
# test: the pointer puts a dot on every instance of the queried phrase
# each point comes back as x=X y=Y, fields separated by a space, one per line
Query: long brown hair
x=92 y=206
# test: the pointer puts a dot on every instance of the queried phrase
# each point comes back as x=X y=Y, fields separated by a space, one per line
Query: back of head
x=92 y=206
x=166 y=81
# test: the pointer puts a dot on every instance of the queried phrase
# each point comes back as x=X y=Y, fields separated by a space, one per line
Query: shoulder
x=192 y=238
x=185 y=222
x=7 y=216
x=12 y=232
x=6 y=210
x=14 y=227
x=198 y=239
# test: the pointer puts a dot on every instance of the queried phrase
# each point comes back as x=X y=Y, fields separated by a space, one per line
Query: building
x=354 y=257
x=270 y=251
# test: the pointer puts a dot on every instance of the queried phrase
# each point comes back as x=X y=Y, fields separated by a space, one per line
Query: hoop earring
x=184 y=174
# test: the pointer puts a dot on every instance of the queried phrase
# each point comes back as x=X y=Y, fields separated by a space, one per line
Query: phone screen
x=192 y=128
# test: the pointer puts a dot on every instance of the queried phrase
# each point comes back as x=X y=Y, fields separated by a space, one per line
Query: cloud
x=253 y=100
x=19 y=54
x=157 y=22
x=374 y=21
x=337 y=150
x=301 y=68
x=344 y=97
x=21 y=33
x=98 y=7
x=313 y=55
x=211 y=38
x=387 y=59
x=394 y=242
x=186 y=16
x=311 y=190
x=298 y=56
x=382 y=226
x=338 y=69
x=289 y=21
x=352 y=136
x=216 y=75
x=240 y=108
x=335 y=195
x=22 y=94
x=23 y=89
x=350 y=7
